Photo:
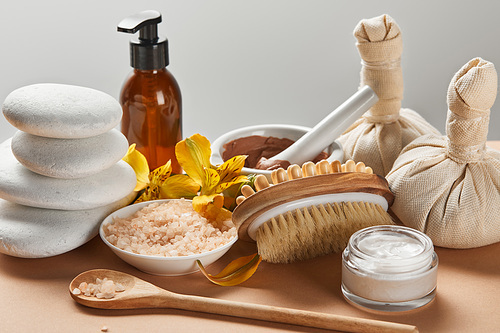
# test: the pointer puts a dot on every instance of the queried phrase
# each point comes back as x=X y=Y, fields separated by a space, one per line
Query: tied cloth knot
x=465 y=154
x=381 y=119
x=382 y=65
x=386 y=79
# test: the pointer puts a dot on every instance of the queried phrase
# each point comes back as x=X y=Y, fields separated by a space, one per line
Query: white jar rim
x=366 y=262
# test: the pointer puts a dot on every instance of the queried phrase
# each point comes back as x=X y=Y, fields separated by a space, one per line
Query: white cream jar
x=389 y=268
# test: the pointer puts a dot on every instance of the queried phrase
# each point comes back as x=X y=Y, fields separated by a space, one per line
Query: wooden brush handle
x=287 y=316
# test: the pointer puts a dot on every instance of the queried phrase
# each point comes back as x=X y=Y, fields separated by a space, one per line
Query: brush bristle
x=315 y=231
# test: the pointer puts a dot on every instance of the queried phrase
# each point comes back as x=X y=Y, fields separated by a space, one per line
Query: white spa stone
x=22 y=186
x=29 y=232
x=61 y=111
x=69 y=158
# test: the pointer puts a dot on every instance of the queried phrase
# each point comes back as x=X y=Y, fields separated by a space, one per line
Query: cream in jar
x=389 y=268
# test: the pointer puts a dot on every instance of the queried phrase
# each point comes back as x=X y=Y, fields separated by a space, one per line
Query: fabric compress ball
x=449 y=186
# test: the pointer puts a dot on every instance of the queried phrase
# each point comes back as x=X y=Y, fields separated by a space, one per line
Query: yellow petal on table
x=236 y=272
x=193 y=155
x=178 y=186
x=140 y=165
x=231 y=168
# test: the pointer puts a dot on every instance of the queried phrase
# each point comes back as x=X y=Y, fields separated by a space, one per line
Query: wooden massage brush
x=311 y=210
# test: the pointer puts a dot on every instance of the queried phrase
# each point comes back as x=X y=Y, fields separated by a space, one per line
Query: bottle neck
x=150 y=71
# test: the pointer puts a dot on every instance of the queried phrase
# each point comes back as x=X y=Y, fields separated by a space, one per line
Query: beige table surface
x=34 y=295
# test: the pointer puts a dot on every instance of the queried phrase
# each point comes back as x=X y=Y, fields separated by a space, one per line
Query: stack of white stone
x=61 y=174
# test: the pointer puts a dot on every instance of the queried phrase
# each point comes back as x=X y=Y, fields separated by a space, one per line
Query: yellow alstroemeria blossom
x=140 y=165
x=193 y=154
x=205 y=183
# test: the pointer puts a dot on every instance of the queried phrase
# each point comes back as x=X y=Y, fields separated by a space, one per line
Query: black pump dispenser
x=148 y=52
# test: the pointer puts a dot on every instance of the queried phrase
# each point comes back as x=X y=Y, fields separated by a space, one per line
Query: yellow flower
x=193 y=154
x=204 y=183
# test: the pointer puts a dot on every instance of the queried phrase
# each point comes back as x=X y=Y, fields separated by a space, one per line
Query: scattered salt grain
x=169 y=229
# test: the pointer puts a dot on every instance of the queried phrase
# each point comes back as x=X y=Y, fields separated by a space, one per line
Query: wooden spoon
x=141 y=294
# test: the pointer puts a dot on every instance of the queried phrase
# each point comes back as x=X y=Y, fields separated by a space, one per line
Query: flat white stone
x=29 y=232
x=61 y=111
x=22 y=186
x=69 y=158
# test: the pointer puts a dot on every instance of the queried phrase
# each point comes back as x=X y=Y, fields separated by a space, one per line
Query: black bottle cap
x=148 y=52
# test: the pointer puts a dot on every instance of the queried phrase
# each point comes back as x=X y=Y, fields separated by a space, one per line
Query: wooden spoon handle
x=286 y=315
x=140 y=294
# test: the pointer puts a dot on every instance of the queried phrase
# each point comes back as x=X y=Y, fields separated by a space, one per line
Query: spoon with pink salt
x=139 y=294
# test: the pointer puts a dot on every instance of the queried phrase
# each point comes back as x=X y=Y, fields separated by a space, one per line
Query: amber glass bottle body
x=152 y=115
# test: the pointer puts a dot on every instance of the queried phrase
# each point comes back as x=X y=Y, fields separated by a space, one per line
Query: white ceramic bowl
x=292 y=132
x=166 y=266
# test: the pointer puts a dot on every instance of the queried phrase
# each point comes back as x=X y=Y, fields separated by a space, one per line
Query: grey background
x=240 y=62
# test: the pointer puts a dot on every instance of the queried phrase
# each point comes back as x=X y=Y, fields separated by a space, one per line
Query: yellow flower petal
x=209 y=206
x=236 y=272
x=140 y=165
x=202 y=200
x=159 y=175
x=215 y=208
x=193 y=154
x=151 y=192
x=224 y=186
x=178 y=186
x=210 y=181
x=231 y=168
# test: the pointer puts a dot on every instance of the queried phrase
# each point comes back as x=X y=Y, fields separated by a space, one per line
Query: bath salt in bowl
x=166 y=237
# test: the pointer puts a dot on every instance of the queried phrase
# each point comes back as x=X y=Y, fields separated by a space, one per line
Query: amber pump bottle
x=150 y=96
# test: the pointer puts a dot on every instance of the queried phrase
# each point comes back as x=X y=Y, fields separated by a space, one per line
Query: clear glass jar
x=389 y=268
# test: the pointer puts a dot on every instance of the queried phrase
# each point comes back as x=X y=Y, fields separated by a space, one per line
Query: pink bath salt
x=102 y=288
x=169 y=229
